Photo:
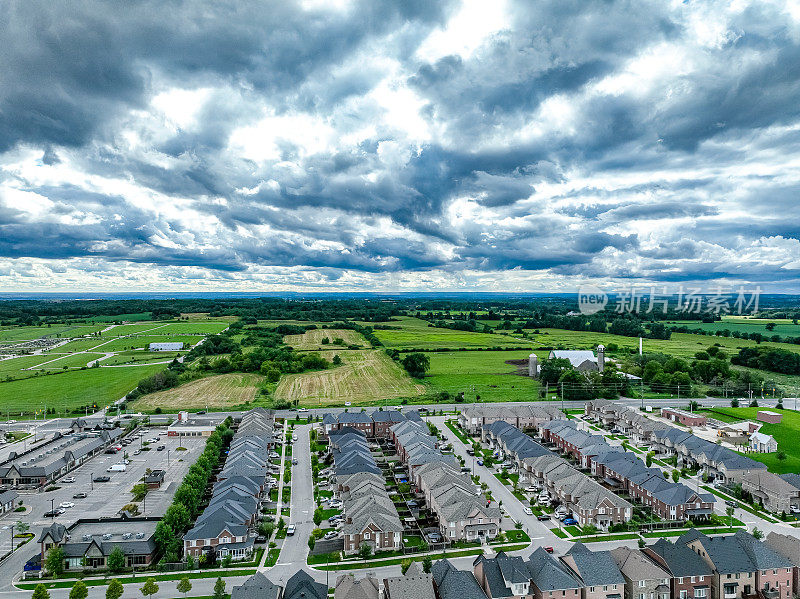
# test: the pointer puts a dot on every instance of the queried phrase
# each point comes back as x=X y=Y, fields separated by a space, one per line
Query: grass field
x=787 y=434
x=311 y=340
x=415 y=333
x=365 y=376
x=10 y=334
x=783 y=327
x=64 y=391
x=681 y=344
x=483 y=373
x=220 y=391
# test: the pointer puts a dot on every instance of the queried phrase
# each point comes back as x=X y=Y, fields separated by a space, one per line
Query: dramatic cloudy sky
x=403 y=145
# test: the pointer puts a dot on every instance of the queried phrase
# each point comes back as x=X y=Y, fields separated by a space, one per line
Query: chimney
x=533 y=365
x=601 y=357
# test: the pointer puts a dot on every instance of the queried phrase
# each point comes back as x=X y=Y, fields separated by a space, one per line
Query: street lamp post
x=12 y=538
x=91 y=480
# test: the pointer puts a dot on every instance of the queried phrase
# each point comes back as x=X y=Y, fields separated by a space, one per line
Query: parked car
x=529 y=511
x=294 y=461
x=69 y=479
x=412 y=503
x=66 y=504
x=331 y=535
x=531 y=489
x=52 y=514
x=794 y=509
x=260 y=540
x=303 y=410
x=548 y=549
x=570 y=521
x=731 y=503
x=80 y=495
x=102 y=479
x=543 y=517
x=290 y=530
x=480 y=462
x=161 y=448
x=294 y=437
x=435 y=537
x=137 y=452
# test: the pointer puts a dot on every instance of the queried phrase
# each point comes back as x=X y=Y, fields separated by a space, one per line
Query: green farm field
x=68 y=390
x=783 y=327
x=681 y=344
x=11 y=334
x=415 y=333
x=483 y=373
x=787 y=434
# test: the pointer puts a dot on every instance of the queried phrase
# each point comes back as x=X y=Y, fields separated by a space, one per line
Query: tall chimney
x=533 y=365
x=601 y=357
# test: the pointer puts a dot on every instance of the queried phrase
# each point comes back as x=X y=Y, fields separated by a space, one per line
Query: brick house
x=691 y=576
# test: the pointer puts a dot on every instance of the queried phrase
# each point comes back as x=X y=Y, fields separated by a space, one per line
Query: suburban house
x=374 y=425
x=88 y=543
x=502 y=576
x=742 y=566
x=597 y=571
x=349 y=587
x=550 y=578
x=775 y=492
x=644 y=579
x=257 y=586
x=302 y=586
x=789 y=547
x=762 y=443
x=690 y=575
x=414 y=584
x=8 y=500
x=451 y=583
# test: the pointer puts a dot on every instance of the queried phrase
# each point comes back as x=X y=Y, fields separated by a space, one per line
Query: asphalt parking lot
x=106 y=499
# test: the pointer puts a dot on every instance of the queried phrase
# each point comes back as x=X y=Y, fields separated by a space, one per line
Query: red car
x=548 y=549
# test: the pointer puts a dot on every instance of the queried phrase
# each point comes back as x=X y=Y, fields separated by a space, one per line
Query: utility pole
x=562 y=396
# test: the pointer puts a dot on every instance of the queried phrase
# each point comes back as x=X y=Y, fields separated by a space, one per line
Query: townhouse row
x=370 y=516
x=524 y=417
x=460 y=506
x=374 y=425
x=225 y=526
x=694 y=567
x=624 y=471
x=717 y=462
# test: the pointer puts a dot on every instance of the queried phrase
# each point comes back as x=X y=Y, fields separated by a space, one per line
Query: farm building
x=166 y=346
x=583 y=360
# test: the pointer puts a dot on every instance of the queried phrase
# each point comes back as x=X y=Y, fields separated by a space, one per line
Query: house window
x=641 y=583
x=683 y=594
x=366 y=535
x=693 y=578
x=225 y=540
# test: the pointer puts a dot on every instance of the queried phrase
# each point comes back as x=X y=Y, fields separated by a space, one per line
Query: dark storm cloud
x=514 y=157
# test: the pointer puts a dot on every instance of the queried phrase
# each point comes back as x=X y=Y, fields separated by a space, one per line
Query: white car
x=290 y=530
x=794 y=509
x=331 y=535
x=303 y=410
x=529 y=511
x=66 y=504
x=69 y=479
x=347 y=404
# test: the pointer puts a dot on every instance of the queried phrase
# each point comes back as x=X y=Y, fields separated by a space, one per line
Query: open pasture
x=67 y=390
x=365 y=377
x=483 y=373
x=782 y=327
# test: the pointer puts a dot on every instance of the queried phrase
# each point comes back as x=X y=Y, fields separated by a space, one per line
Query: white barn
x=166 y=346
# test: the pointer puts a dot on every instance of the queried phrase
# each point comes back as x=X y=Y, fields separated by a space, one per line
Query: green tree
x=404 y=566
x=758 y=533
x=40 y=592
x=54 y=562
x=365 y=551
x=79 y=590
x=116 y=560
x=337 y=360
x=675 y=476
x=114 y=589
x=149 y=587
x=729 y=511
x=781 y=455
x=427 y=564
x=311 y=542
x=648 y=460
x=189 y=561
x=184 y=585
x=416 y=364
x=139 y=490
x=23 y=527
x=178 y=517
x=318 y=516
x=219 y=589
